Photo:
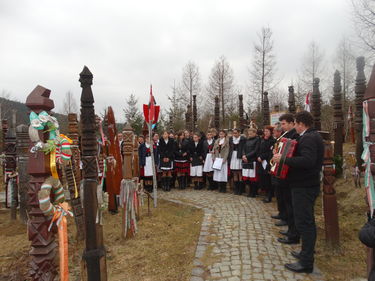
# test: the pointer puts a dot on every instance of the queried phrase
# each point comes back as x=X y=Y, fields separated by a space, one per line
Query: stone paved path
x=238 y=240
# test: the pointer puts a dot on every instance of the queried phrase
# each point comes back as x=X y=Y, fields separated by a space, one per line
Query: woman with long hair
x=166 y=153
x=221 y=151
x=250 y=154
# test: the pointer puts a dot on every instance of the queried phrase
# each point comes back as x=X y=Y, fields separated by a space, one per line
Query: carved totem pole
x=195 y=113
x=217 y=114
x=316 y=105
x=4 y=129
x=94 y=253
x=360 y=88
x=135 y=157
x=242 y=122
x=11 y=168
x=23 y=143
x=43 y=246
x=188 y=118
x=73 y=176
x=291 y=100
x=266 y=110
x=338 y=115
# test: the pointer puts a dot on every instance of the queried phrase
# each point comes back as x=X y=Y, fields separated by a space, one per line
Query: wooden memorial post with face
x=369 y=149
x=217 y=114
x=291 y=100
x=11 y=168
x=195 y=113
x=73 y=175
x=329 y=193
x=23 y=143
x=242 y=121
x=360 y=88
x=266 y=110
x=316 y=105
x=43 y=246
x=94 y=253
x=338 y=115
x=114 y=163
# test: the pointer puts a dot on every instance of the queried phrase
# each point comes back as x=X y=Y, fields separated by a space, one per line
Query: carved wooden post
x=338 y=115
x=316 y=104
x=23 y=143
x=11 y=168
x=127 y=172
x=329 y=193
x=291 y=100
x=73 y=175
x=43 y=246
x=217 y=114
x=266 y=110
x=95 y=253
x=360 y=88
x=135 y=158
x=4 y=129
x=188 y=118
x=241 y=113
x=195 y=113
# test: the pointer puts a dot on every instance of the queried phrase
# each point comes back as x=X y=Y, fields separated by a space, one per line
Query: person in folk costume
x=291 y=235
x=189 y=139
x=167 y=147
x=265 y=155
x=221 y=150
x=145 y=162
x=208 y=151
x=196 y=159
x=250 y=154
x=236 y=142
x=174 y=176
x=214 y=134
x=281 y=207
x=181 y=161
x=155 y=139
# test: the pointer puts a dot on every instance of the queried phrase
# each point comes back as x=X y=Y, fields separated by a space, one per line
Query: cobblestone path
x=238 y=239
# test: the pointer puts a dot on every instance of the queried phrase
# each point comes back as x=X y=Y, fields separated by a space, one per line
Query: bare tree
x=191 y=83
x=364 y=20
x=70 y=104
x=5 y=109
x=263 y=66
x=278 y=97
x=176 y=111
x=221 y=84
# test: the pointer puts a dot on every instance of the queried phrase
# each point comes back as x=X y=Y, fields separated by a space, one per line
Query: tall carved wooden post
x=217 y=114
x=73 y=175
x=291 y=100
x=135 y=157
x=195 y=113
x=4 y=130
x=188 y=118
x=23 y=143
x=338 y=115
x=329 y=193
x=95 y=253
x=316 y=104
x=241 y=113
x=360 y=88
x=43 y=246
x=11 y=168
x=266 y=110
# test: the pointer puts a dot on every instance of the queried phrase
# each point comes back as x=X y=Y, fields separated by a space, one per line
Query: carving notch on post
x=94 y=253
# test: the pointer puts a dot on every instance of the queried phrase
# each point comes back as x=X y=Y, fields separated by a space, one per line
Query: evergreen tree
x=133 y=115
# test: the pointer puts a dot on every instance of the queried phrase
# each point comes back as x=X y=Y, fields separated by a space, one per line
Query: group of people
x=244 y=159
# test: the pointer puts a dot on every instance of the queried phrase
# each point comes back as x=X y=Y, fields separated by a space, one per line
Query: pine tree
x=132 y=114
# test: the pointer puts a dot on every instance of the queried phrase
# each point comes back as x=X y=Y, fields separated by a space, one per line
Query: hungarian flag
x=151 y=111
x=307 y=102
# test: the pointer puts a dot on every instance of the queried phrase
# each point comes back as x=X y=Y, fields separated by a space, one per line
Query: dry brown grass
x=163 y=250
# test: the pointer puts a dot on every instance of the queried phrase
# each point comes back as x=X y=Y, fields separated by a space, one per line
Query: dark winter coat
x=307 y=163
x=236 y=147
x=265 y=149
x=181 y=148
x=207 y=148
x=251 y=151
x=196 y=153
x=142 y=151
x=166 y=150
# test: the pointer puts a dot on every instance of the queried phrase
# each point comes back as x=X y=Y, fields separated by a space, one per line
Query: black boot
x=172 y=182
x=235 y=188
x=242 y=188
x=195 y=185
x=180 y=184
x=169 y=183
x=210 y=183
x=163 y=183
x=200 y=185
x=251 y=190
x=223 y=187
x=215 y=185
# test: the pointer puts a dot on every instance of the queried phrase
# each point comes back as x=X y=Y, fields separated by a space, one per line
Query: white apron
x=235 y=163
x=148 y=167
x=208 y=163
x=221 y=175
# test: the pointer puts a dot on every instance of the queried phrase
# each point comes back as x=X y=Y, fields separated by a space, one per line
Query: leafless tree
x=221 y=84
x=364 y=20
x=176 y=111
x=5 y=109
x=70 y=104
x=191 y=83
x=278 y=97
x=264 y=65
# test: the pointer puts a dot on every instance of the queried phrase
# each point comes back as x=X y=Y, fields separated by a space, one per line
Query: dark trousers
x=303 y=205
x=279 y=192
x=287 y=198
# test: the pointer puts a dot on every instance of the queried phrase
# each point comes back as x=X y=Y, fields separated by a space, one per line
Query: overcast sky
x=129 y=44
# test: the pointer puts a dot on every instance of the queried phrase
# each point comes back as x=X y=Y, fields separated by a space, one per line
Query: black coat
x=196 y=153
x=307 y=163
x=251 y=151
x=265 y=149
x=207 y=148
x=142 y=154
x=166 y=150
x=238 y=147
x=181 y=148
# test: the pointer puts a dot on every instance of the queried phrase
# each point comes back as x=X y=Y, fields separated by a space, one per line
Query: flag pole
x=154 y=180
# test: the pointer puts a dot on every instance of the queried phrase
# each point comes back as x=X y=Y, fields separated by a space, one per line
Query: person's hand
x=259 y=159
x=191 y=159
x=276 y=158
x=165 y=160
x=184 y=154
x=244 y=158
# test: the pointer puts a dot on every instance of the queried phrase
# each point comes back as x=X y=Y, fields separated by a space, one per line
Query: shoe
x=298 y=268
x=235 y=188
x=288 y=240
x=284 y=232
x=296 y=254
x=281 y=223
x=241 y=190
x=266 y=200
x=276 y=217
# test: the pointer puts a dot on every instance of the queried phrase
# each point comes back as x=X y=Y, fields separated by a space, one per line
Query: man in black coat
x=304 y=179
